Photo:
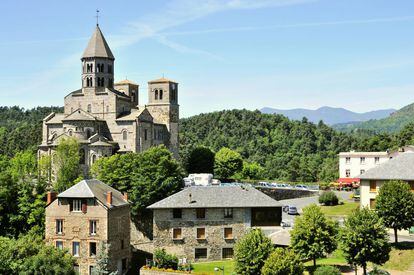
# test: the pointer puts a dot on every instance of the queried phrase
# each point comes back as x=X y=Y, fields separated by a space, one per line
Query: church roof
x=54 y=118
x=161 y=80
x=97 y=46
x=125 y=81
x=80 y=114
x=132 y=116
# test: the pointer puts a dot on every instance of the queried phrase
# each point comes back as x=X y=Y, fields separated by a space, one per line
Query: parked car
x=290 y=209
x=301 y=186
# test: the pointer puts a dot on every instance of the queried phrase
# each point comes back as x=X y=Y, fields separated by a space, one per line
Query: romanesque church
x=106 y=117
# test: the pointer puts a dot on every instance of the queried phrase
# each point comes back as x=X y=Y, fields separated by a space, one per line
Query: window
x=82 y=159
x=347 y=160
x=177 y=234
x=156 y=94
x=201 y=233
x=228 y=233
x=177 y=213
x=92 y=227
x=160 y=94
x=92 y=249
x=125 y=135
x=227 y=253
x=200 y=253
x=228 y=212
x=89 y=108
x=362 y=171
x=77 y=205
x=93 y=159
x=122 y=244
x=347 y=173
x=59 y=245
x=75 y=248
x=376 y=160
x=372 y=203
x=145 y=134
x=59 y=226
x=110 y=69
x=372 y=186
x=89 y=82
x=362 y=160
x=89 y=68
x=100 y=68
x=201 y=213
x=101 y=81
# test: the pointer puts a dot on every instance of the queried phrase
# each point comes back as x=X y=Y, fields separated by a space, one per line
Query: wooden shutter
x=84 y=206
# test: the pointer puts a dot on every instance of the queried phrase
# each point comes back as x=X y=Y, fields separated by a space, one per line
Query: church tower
x=97 y=63
x=163 y=106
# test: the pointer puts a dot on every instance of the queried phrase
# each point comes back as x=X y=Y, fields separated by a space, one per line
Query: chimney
x=109 y=198
x=126 y=196
x=51 y=196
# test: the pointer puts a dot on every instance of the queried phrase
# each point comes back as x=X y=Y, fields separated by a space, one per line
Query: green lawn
x=400 y=258
x=341 y=209
x=208 y=267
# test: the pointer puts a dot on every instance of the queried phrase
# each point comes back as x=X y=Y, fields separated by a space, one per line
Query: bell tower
x=97 y=63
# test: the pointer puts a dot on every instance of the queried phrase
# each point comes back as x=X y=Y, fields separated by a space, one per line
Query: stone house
x=401 y=167
x=106 y=117
x=203 y=223
x=84 y=217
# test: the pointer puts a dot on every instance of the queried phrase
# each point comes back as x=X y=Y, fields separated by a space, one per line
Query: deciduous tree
x=282 y=262
x=227 y=163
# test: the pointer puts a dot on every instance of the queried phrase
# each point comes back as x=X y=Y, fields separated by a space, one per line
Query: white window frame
x=78 y=249
x=59 y=226
x=60 y=246
x=77 y=205
x=93 y=227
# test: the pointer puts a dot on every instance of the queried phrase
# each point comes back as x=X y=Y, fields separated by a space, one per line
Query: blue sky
x=356 y=54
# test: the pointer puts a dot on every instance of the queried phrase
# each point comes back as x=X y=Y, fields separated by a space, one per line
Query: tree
x=66 y=163
x=102 y=261
x=251 y=252
x=364 y=239
x=395 y=205
x=282 y=262
x=200 y=160
x=226 y=163
x=328 y=198
x=251 y=170
x=313 y=235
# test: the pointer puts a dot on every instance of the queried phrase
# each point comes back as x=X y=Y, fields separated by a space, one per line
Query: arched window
x=160 y=94
x=156 y=94
x=70 y=133
x=93 y=159
x=125 y=135
x=82 y=156
x=89 y=108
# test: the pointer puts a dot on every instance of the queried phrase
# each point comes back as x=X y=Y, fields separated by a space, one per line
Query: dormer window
x=77 y=205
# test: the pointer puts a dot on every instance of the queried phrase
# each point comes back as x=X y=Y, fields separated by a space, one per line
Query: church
x=106 y=117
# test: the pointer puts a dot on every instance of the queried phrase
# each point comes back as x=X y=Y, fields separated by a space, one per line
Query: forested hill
x=289 y=150
x=21 y=129
x=391 y=124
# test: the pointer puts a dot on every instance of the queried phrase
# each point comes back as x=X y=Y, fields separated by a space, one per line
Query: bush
x=377 y=271
x=164 y=260
x=251 y=251
x=328 y=198
x=282 y=262
x=327 y=270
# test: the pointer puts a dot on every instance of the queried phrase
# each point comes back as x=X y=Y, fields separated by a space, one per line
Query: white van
x=201 y=179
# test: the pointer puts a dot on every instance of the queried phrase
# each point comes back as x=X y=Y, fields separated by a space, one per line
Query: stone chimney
x=50 y=197
x=109 y=198
x=126 y=196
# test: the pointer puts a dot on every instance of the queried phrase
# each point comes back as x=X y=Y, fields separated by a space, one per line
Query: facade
x=106 y=117
x=87 y=216
x=352 y=164
x=203 y=223
x=399 y=168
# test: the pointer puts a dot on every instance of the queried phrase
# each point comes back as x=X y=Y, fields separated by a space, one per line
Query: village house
x=400 y=167
x=203 y=223
x=85 y=218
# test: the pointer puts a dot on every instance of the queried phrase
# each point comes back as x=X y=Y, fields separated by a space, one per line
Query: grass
x=206 y=268
x=340 y=209
x=401 y=257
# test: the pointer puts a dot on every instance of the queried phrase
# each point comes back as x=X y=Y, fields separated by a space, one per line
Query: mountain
x=329 y=115
x=393 y=123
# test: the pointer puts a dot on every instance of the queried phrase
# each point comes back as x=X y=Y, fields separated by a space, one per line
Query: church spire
x=97 y=46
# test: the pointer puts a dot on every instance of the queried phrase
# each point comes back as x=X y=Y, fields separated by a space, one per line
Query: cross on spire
x=97 y=17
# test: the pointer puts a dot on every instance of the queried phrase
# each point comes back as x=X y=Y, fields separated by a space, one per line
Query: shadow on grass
x=342 y=268
x=403 y=245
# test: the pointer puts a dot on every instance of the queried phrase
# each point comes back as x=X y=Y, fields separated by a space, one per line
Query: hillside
x=391 y=124
x=329 y=115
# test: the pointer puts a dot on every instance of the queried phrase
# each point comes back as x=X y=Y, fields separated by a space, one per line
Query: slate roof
x=125 y=81
x=400 y=167
x=55 y=119
x=97 y=46
x=161 y=80
x=88 y=189
x=81 y=115
x=216 y=197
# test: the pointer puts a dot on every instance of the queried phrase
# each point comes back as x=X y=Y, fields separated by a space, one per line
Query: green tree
x=251 y=170
x=227 y=163
x=66 y=162
x=364 y=239
x=251 y=252
x=313 y=235
x=200 y=160
x=102 y=261
x=395 y=205
x=23 y=166
x=282 y=262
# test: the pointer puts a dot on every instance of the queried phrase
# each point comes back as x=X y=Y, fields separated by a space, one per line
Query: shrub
x=282 y=262
x=377 y=271
x=327 y=270
x=164 y=260
x=251 y=251
x=328 y=198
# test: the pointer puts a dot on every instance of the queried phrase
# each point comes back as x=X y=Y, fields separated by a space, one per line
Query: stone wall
x=287 y=193
x=143 y=271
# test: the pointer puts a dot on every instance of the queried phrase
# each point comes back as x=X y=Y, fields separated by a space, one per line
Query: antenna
x=97 y=17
